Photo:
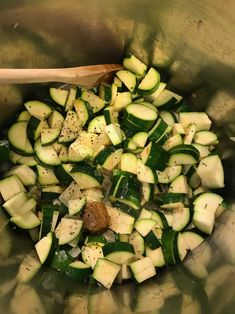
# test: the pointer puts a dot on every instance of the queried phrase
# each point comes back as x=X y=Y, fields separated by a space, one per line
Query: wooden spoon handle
x=77 y=75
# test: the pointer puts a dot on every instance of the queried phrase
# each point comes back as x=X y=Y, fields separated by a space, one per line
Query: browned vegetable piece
x=95 y=217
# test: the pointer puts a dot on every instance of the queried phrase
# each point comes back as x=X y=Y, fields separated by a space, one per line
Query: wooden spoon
x=87 y=76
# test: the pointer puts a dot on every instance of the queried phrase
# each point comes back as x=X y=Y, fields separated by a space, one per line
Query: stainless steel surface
x=193 y=42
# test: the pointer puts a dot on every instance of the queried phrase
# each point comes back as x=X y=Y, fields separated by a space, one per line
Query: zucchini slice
x=142 y=269
x=71 y=128
x=183 y=154
x=94 y=101
x=120 y=222
x=46 y=155
x=55 y=120
x=83 y=110
x=11 y=186
x=26 y=221
x=91 y=253
x=156 y=255
x=69 y=230
x=17 y=136
x=45 y=247
x=211 y=172
x=86 y=176
x=59 y=95
x=114 y=133
x=97 y=125
x=26 y=175
x=200 y=119
x=118 y=252
x=71 y=98
x=139 y=116
x=105 y=272
x=38 y=109
x=109 y=157
x=122 y=99
x=24 y=116
x=128 y=79
x=150 y=82
x=49 y=136
x=134 y=65
x=154 y=156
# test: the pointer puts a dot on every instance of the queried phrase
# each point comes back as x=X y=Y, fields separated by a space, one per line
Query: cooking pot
x=193 y=44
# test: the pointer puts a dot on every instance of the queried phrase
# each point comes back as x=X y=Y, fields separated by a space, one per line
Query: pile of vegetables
x=133 y=152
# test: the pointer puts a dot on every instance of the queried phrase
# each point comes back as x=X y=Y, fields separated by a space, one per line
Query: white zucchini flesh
x=91 y=253
x=112 y=161
x=169 y=174
x=200 y=119
x=138 y=243
x=128 y=78
x=179 y=185
x=182 y=247
x=207 y=202
x=43 y=247
x=38 y=109
x=153 y=96
x=56 y=119
x=26 y=175
x=120 y=222
x=145 y=173
x=105 y=272
x=11 y=186
x=140 y=139
x=156 y=256
x=204 y=221
x=49 y=136
x=71 y=127
x=79 y=152
x=122 y=100
x=145 y=213
x=204 y=151
x=142 y=269
x=178 y=129
x=71 y=98
x=47 y=155
x=128 y=163
x=26 y=221
x=144 y=225
x=190 y=132
x=72 y=192
x=69 y=230
x=134 y=65
x=76 y=205
x=150 y=81
x=93 y=195
x=181 y=218
x=59 y=95
x=205 y=138
x=114 y=133
x=205 y=207
x=14 y=203
x=211 y=172
x=192 y=239
x=173 y=141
